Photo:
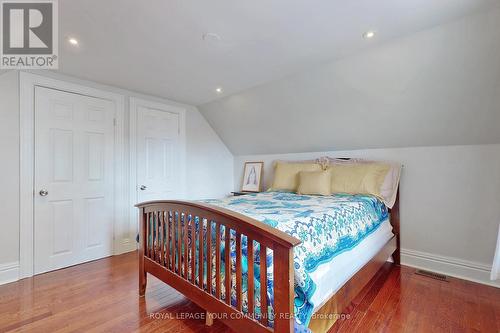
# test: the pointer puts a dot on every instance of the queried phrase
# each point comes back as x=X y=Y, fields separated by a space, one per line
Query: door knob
x=43 y=193
x=143 y=187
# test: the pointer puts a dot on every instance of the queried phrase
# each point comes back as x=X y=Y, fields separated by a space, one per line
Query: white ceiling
x=436 y=87
x=156 y=47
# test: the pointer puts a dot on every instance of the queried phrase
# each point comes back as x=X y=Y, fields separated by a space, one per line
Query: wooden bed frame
x=173 y=221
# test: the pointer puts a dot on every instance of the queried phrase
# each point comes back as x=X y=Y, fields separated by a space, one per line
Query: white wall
x=449 y=203
x=9 y=167
x=437 y=87
x=209 y=163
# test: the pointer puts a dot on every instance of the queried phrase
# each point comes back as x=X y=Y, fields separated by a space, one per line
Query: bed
x=317 y=252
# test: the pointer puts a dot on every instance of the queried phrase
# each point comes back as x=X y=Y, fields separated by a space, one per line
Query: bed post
x=142 y=247
x=284 y=289
x=395 y=229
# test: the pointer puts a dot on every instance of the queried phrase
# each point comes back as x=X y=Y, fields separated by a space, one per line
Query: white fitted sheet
x=339 y=270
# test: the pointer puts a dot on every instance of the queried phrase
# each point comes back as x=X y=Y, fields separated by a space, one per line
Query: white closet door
x=74 y=146
x=158 y=154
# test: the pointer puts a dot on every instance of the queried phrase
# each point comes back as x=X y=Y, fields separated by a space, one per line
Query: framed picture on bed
x=252 y=174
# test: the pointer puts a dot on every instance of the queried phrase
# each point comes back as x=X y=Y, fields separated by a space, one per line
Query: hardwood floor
x=102 y=296
x=398 y=300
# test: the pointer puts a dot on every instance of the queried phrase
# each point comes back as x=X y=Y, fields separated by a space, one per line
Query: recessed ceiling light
x=211 y=37
x=218 y=90
x=73 y=41
x=369 y=34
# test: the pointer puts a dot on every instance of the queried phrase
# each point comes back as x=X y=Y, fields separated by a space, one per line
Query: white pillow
x=389 y=188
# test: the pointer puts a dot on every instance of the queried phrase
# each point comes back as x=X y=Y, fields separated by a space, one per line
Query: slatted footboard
x=200 y=250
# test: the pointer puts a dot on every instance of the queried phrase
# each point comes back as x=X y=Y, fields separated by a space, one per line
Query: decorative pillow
x=286 y=175
x=315 y=182
x=359 y=178
x=389 y=187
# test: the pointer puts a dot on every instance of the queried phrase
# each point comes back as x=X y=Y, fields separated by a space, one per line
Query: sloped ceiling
x=156 y=47
x=436 y=87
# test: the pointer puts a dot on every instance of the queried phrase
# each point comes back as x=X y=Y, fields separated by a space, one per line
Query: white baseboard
x=463 y=269
x=9 y=272
x=126 y=245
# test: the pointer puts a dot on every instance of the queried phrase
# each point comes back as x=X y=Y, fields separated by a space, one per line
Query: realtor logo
x=29 y=34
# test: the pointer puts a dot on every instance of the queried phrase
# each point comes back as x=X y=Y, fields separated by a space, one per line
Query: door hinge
x=114 y=121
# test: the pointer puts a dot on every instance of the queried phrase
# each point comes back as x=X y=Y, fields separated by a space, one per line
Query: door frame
x=134 y=103
x=27 y=84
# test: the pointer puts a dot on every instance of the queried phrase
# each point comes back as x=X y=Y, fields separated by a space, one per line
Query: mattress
x=345 y=265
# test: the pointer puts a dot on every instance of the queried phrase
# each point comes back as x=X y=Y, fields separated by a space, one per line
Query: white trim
x=9 y=272
x=495 y=269
x=133 y=104
x=28 y=82
x=463 y=269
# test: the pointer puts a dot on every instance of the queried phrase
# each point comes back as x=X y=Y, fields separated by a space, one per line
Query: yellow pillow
x=315 y=182
x=364 y=178
x=286 y=175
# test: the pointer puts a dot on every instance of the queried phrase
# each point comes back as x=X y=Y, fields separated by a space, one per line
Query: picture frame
x=252 y=176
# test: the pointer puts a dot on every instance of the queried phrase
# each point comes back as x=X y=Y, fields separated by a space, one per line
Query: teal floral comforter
x=326 y=225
